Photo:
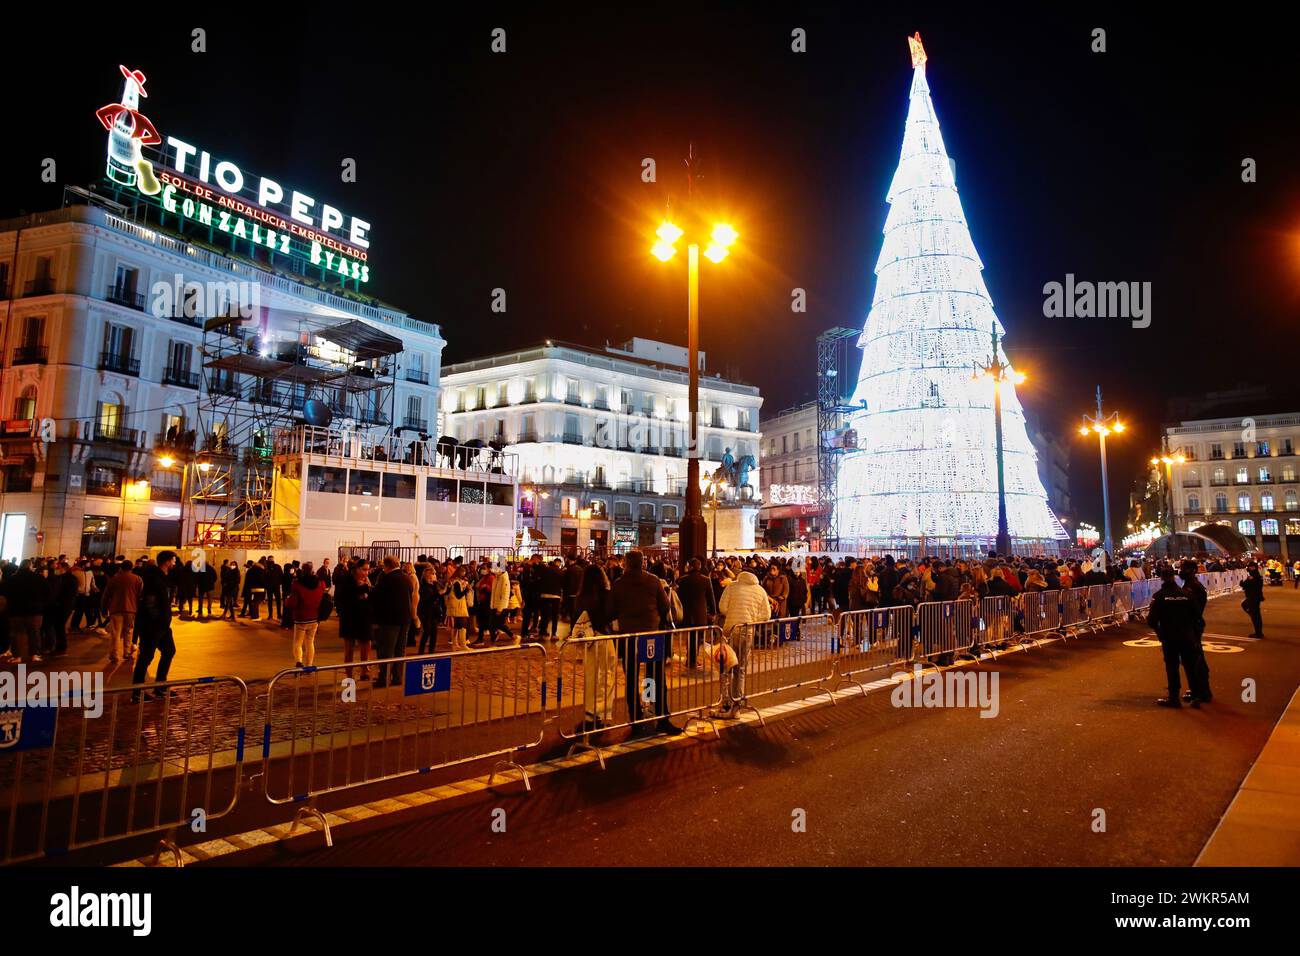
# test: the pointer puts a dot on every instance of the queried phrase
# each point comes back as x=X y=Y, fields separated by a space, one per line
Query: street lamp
x=166 y=461
x=1168 y=461
x=714 y=487
x=1102 y=425
x=720 y=238
x=999 y=372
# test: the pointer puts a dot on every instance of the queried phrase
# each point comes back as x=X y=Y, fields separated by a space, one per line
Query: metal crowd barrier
x=995 y=624
x=785 y=654
x=70 y=779
x=942 y=627
x=330 y=728
x=1042 y=611
x=1073 y=610
x=626 y=680
x=872 y=639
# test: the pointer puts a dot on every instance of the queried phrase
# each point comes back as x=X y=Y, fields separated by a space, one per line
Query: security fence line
x=150 y=764
x=662 y=674
x=75 y=780
x=420 y=714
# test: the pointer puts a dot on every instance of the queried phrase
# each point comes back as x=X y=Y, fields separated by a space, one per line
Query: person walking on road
x=154 y=619
x=121 y=602
x=1253 y=586
x=1172 y=616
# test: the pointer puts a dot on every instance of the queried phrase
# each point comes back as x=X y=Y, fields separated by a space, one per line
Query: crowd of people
x=387 y=607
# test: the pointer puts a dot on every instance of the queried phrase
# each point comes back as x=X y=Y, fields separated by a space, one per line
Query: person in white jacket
x=743 y=602
x=500 y=603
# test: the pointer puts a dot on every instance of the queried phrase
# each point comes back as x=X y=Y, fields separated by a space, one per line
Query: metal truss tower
x=834 y=379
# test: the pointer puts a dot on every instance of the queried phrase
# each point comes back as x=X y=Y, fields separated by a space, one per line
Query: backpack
x=326 y=607
x=675 y=610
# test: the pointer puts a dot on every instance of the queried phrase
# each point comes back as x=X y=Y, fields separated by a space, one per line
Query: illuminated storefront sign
x=778 y=494
x=216 y=195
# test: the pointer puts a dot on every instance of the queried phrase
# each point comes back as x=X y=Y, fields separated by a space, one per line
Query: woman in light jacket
x=744 y=602
x=459 y=597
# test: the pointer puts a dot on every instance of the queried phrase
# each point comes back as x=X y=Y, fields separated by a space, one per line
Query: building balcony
x=31 y=354
x=109 y=488
x=418 y=376
x=123 y=364
x=572 y=400
x=165 y=493
x=127 y=297
x=1264 y=480
x=181 y=377
x=526 y=438
x=419 y=424
x=600 y=405
x=224 y=386
x=193 y=321
x=1191 y=484
x=116 y=433
x=572 y=438
x=41 y=286
x=1216 y=483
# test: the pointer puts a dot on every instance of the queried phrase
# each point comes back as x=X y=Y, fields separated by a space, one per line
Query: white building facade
x=601 y=437
x=95 y=380
x=1242 y=472
x=790 y=471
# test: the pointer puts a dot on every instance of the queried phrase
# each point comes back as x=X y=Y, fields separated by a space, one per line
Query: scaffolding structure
x=259 y=374
x=834 y=379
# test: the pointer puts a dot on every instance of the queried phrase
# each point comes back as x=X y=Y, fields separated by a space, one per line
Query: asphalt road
x=1077 y=732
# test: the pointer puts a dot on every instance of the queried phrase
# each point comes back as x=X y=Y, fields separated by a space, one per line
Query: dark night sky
x=523 y=171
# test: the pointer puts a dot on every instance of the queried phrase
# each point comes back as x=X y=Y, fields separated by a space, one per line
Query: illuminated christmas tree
x=925 y=473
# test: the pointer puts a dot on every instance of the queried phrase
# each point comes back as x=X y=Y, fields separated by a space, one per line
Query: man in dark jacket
x=1172 y=617
x=390 y=607
x=695 y=591
x=530 y=589
x=273 y=581
x=946 y=585
x=887 y=579
x=1253 y=587
x=229 y=589
x=1198 y=683
x=573 y=573
x=154 y=621
x=26 y=593
x=551 y=593
x=641 y=604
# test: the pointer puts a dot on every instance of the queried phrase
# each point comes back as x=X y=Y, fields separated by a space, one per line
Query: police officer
x=1198 y=689
x=1173 y=618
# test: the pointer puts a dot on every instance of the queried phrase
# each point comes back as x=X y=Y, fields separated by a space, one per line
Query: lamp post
x=166 y=461
x=714 y=488
x=999 y=371
x=1103 y=425
x=693 y=532
x=1168 y=497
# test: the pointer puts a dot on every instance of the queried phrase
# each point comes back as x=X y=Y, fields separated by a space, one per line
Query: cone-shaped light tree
x=926 y=472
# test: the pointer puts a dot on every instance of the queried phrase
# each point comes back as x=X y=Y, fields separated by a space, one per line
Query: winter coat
x=501 y=592
x=744 y=602
x=122 y=593
x=392 y=601
x=305 y=601
x=640 y=602
x=460 y=598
